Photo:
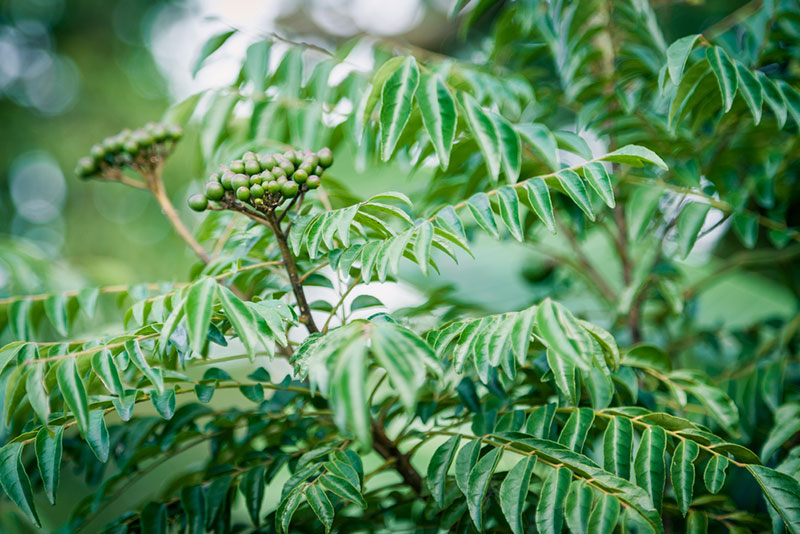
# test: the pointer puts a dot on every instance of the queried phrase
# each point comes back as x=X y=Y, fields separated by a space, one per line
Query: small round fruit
x=256 y=179
x=274 y=186
x=143 y=138
x=266 y=176
x=243 y=193
x=277 y=172
x=282 y=180
x=249 y=155
x=300 y=176
x=257 y=191
x=97 y=151
x=287 y=166
x=266 y=161
x=313 y=182
x=214 y=191
x=312 y=159
x=237 y=166
x=198 y=202
x=307 y=167
x=289 y=189
x=85 y=167
x=325 y=157
x=227 y=179
x=319 y=170
x=130 y=146
x=158 y=132
x=109 y=145
x=240 y=180
x=251 y=166
x=174 y=132
x=116 y=142
x=291 y=155
x=214 y=177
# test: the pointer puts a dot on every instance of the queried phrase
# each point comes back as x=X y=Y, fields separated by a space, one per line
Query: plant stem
x=157 y=187
x=389 y=451
x=291 y=270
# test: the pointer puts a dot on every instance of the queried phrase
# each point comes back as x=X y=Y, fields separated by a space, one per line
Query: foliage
x=570 y=118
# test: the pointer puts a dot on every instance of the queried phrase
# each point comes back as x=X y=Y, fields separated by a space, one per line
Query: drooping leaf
x=539 y=201
x=478 y=483
x=617 y=443
x=97 y=435
x=774 y=98
x=714 y=475
x=598 y=178
x=783 y=493
x=577 y=507
x=751 y=91
x=198 y=308
x=55 y=307
x=514 y=490
x=209 y=47
x=509 y=211
x=682 y=473
x=465 y=460
x=725 y=72
x=194 y=506
x=604 y=515
x=575 y=430
x=153 y=518
x=397 y=97
x=510 y=146
x=104 y=366
x=242 y=319
x=677 y=54
x=134 y=351
x=484 y=133
x=690 y=222
x=573 y=185
x=73 y=392
x=48 y=457
x=543 y=141
x=649 y=464
x=252 y=488
x=15 y=481
x=321 y=506
x=37 y=394
x=549 y=517
x=481 y=210
x=635 y=156
x=438 y=467
x=439 y=115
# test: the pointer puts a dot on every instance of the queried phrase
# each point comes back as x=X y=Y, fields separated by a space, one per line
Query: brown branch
x=402 y=463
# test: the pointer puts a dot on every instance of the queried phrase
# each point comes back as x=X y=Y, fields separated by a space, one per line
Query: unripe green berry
x=249 y=155
x=240 y=180
x=313 y=182
x=319 y=170
x=266 y=161
x=266 y=176
x=306 y=167
x=256 y=179
x=158 y=132
x=325 y=157
x=98 y=152
x=198 y=202
x=174 y=132
x=251 y=166
x=257 y=191
x=131 y=146
x=282 y=180
x=287 y=166
x=274 y=186
x=109 y=145
x=237 y=166
x=214 y=191
x=86 y=167
x=243 y=193
x=143 y=138
x=277 y=172
x=289 y=189
x=214 y=177
x=312 y=159
x=300 y=176
x=291 y=155
x=227 y=179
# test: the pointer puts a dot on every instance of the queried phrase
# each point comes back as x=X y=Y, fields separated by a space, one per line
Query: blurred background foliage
x=73 y=72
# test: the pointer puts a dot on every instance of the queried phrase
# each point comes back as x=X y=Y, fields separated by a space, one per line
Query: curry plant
x=573 y=132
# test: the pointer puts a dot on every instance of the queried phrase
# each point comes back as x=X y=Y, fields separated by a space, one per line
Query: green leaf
x=371 y=97
x=438 y=467
x=697 y=523
x=649 y=464
x=575 y=430
x=405 y=357
x=574 y=143
x=598 y=178
x=37 y=394
x=686 y=88
x=604 y=515
x=714 y=475
x=481 y=210
x=153 y=518
x=194 y=506
x=198 y=307
x=549 y=518
x=540 y=420
x=216 y=498
x=48 y=457
x=564 y=374
x=134 y=351
x=15 y=481
x=343 y=489
x=792 y=98
x=439 y=115
x=87 y=299
x=104 y=366
x=783 y=493
x=577 y=507
x=510 y=146
x=19 y=319
x=774 y=98
x=55 y=307
x=364 y=301
x=321 y=506
x=725 y=71
x=635 y=156
x=690 y=223
x=573 y=186
x=751 y=90
x=348 y=390
x=539 y=202
x=97 y=436
x=677 y=54
x=422 y=246
x=73 y=392
x=484 y=133
x=252 y=488
x=478 y=483
x=640 y=210
x=209 y=47
x=562 y=334
x=164 y=403
x=682 y=473
x=509 y=211
x=256 y=64
x=242 y=319
x=617 y=443
x=543 y=142
x=465 y=460
x=171 y=323
x=286 y=509
x=514 y=490
x=397 y=98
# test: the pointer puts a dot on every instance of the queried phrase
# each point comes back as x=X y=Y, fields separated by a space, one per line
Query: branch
x=402 y=464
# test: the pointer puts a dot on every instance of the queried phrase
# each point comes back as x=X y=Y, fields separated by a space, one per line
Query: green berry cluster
x=264 y=180
x=129 y=148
